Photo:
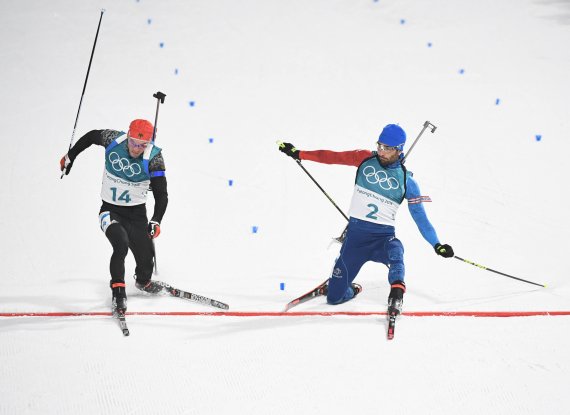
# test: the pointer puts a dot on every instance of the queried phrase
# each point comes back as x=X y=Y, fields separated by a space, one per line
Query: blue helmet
x=393 y=135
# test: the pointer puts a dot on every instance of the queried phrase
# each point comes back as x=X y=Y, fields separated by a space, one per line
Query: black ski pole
x=497 y=272
x=322 y=190
x=154 y=255
x=426 y=125
x=84 y=85
x=340 y=239
x=159 y=100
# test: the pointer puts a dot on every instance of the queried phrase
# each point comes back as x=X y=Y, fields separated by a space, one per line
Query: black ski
x=177 y=292
x=119 y=315
x=306 y=297
x=391 y=325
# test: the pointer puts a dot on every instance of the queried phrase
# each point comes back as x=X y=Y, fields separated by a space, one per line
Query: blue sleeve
x=418 y=212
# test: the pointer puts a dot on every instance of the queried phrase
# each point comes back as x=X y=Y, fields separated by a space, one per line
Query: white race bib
x=372 y=207
x=122 y=192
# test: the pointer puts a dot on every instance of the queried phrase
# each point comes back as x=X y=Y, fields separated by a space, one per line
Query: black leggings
x=124 y=233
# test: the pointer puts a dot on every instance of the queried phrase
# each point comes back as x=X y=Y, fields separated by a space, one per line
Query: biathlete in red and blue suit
x=381 y=185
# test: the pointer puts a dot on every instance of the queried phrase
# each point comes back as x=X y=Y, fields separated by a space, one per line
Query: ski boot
x=324 y=289
x=357 y=288
x=150 y=286
x=396 y=298
x=395 y=302
x=119 y=300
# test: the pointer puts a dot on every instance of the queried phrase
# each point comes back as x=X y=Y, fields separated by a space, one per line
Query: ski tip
x=126 y=332
x=290 y=305
x=220 y=305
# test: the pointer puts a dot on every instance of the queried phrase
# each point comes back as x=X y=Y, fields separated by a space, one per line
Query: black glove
x=290 y=150
x=153 y=229
x=444 y=250
x=65 y=164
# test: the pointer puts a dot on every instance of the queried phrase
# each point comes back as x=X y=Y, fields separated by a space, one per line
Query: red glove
x=65 y=164
x=153 y=229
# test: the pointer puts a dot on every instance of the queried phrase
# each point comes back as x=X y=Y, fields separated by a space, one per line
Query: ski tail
x=391 y=325
x=315 y=292
x=162 y=288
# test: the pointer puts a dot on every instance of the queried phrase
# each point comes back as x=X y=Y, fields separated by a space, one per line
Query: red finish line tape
x=299 y=313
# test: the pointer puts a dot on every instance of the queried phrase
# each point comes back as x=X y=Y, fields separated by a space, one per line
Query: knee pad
x=105 y=220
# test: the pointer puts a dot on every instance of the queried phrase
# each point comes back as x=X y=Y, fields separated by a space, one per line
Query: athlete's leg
x=119 y=239
x=117 y=236
x=353 y=255
x=395 y=255
x=143 y=251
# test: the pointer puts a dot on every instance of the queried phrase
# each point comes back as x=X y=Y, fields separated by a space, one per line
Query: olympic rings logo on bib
x=380 y=177
x=119 y=163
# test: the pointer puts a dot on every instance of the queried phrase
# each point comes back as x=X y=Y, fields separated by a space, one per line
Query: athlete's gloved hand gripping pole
x=65 y=162
x=153 y=228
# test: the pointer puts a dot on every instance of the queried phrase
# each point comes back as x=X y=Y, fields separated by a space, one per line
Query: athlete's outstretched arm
x=346 y=158
x=416 y=208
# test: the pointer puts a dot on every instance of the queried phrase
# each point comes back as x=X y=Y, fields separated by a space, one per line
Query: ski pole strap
x=497 y=272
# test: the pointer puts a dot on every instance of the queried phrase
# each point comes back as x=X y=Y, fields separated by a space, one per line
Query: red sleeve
x=347 y=158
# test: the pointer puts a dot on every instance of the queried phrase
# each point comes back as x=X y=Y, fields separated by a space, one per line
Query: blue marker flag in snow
x=402 y=21
x=498 y=101
x=230 y=182
x=538 y=137
x=161 y=44
x=176 y=71
x=282 y=286
x=254 y=229
x=191 y=103
x=461 y=71
x=149 y=21
x=429 y=44
x=210 y=140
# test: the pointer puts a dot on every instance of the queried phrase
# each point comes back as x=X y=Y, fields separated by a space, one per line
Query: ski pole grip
x=160 y=96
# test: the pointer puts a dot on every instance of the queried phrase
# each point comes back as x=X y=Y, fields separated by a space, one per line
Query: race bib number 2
x=373 y=211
